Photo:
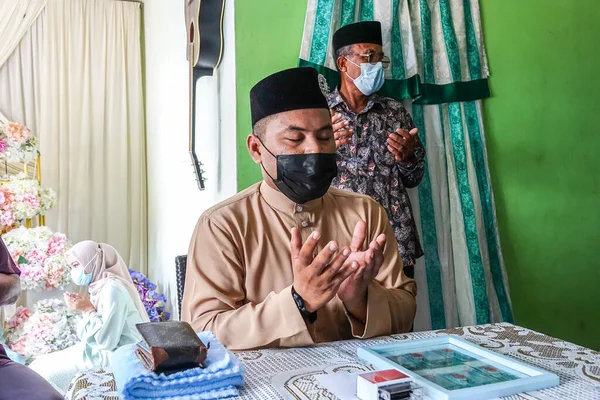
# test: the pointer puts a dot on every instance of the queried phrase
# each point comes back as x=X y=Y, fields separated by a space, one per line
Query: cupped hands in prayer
x=78 y=302
x=402 y=144
x=353 y=291
x=345 y=272
x=318 y=278
x=342 y=131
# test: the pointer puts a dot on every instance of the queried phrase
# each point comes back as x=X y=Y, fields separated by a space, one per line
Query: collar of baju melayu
x=280 y=202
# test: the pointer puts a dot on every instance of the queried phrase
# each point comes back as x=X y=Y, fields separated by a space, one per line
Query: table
x=293 y=370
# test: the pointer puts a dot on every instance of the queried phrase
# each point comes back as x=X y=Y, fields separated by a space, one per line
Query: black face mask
x=304 y=177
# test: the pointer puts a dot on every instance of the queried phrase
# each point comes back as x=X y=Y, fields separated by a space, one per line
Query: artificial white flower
x=40 y=254
x=50 y=327
x=17 y=143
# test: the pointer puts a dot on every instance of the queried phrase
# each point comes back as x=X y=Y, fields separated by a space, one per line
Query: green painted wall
x=544 y=57
x=542 y=127
x=267 y=35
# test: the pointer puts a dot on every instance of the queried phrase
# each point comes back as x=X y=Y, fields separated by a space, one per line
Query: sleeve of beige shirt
x=391 y=297
x=214 y=297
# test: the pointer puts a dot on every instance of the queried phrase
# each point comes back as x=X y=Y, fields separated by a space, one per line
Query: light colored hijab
x=107 y=265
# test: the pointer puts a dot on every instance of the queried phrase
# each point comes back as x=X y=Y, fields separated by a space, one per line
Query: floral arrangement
x=22 y=198
x=154 y=302
x=17 y=143
x=40 y=254
x=50 y=327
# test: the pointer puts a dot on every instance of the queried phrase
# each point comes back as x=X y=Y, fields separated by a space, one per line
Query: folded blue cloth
x=222 y=373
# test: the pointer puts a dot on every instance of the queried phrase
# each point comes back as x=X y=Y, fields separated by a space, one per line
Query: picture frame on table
x=450 y=368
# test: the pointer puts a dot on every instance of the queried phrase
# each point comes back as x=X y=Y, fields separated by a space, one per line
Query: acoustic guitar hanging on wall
x=204 y=24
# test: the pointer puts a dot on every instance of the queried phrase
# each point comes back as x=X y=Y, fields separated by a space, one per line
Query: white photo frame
x=450 y=368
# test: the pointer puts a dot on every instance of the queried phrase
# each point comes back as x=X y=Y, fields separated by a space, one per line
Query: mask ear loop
x=261 y=164
x=348 y=75
x=347 y=59
x=93 y=258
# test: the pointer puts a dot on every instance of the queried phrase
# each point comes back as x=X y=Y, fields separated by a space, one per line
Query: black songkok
x=287 y=90
x=360 y=32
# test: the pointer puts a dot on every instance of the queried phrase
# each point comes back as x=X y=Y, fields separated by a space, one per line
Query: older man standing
x=379 y=152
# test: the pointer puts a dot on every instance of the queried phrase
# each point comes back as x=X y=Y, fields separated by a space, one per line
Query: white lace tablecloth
x=273 y=373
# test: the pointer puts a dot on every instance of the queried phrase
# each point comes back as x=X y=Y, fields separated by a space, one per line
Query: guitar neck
x=204 y=25
x=195 y=75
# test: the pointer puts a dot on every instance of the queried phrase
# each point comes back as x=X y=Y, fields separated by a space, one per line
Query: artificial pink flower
x=18 y=133
x=36 y=256
x=18 y=320
x=7 y=218
x=20 y=346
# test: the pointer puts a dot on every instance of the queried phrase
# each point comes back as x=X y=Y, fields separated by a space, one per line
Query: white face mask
x=371 y=78
x=79 y=276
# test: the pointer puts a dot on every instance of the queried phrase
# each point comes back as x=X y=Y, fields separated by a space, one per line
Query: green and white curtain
x=439 y=69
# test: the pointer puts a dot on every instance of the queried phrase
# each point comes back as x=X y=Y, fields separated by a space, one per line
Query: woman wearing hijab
x=110 y=314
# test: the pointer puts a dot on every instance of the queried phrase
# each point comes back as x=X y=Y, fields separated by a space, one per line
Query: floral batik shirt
x=367 y=166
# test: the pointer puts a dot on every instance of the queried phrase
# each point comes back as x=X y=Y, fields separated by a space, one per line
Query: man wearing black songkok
x=290 y=261
x=377 y=144
x=17 y=382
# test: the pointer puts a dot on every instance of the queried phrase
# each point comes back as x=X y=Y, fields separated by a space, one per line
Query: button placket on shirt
x=304 y=221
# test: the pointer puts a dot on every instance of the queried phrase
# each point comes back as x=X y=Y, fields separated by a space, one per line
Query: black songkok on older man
x=360 y=32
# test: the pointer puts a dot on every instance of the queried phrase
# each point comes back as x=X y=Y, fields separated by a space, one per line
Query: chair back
x=180 y=268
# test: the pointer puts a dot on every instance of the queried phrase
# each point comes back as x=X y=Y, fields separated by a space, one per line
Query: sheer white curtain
x=20 y=79
x=19 y=27
x=92 y=123
x=16 y=17
x=75 y=78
